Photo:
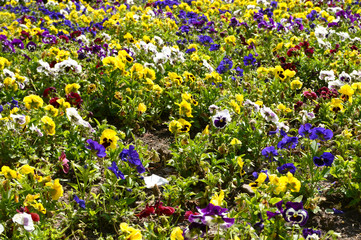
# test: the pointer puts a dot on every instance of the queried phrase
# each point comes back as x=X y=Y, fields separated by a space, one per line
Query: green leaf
x=298 y=199
x=74 y=185
x=274 y=200
x=314 y=147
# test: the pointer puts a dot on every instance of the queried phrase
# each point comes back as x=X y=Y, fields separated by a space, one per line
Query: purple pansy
x=295 y=214
x=96 y=147
x=79 y=201
x=288 y=142
x=305 y=130
x=321 y=133
x=269 y=152
x=287 y=167
x=209 y=216
x=249 y=60
x=114 y=168
x=326 y=159
x=132 y=157
x=309 y=233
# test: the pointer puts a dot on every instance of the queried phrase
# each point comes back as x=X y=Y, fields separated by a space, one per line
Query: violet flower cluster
x=210 y=216
x=132 y=157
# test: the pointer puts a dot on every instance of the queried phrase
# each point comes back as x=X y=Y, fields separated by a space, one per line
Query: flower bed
x=179 y=119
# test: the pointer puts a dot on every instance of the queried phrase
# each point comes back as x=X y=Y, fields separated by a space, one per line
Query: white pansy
x=25 y=220
x=83 y=39
x=344 y=77
x=158 y=40
x=74 y=117
x=151 y=181
x=356 y=75
x=69 y=63
x=34 y=128
x=320 y=32
x=20 y=119
x=335 y=84
x=269 y=115
x=327 y=75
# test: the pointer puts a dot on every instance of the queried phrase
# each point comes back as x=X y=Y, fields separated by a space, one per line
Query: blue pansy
x=79 y=201
x=114 y=168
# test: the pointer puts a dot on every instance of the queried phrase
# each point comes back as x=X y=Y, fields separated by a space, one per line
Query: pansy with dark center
x=295 y=214
x=287 y=167
x=212 y=215
x=31 y=46
x=326 y=159
x=321 y=134
x=309 y=233
x=269 y=152
x=249 y=60
x=221 y=119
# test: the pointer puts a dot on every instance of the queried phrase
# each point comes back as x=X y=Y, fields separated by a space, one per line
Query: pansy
x=287 y=167
x=269 y=152
x=295 y=214
x=79 y=201
x=64 y=162
x=288 y=142
x=212 y=215
x=269 y=115
x=56 y=189
x=132 y=157
x=96 y=147
x=309 y=233
x=221 y=119
x=326 y=159
x=176 y=234
x=305 y=130
x=114 y=168
x=249 y=60
x=321 y=134
x=109 y=139
x=151 y=181
x=24 y=219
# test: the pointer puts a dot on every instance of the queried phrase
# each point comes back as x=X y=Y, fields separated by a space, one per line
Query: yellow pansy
x=56 y=190
x=49 y=125
x=72 y=88
x=109 y=139
x=33 y=101
x=26 y=169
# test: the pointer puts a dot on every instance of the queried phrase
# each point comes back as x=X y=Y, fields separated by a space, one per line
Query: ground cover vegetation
x=173 y=119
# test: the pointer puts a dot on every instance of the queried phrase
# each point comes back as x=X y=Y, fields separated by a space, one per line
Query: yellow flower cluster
x=56 y=189
x=33 y=102
x=179 y=126
x=9 y=173
x=278 y=184
x=49 y=125
x=130 y=232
